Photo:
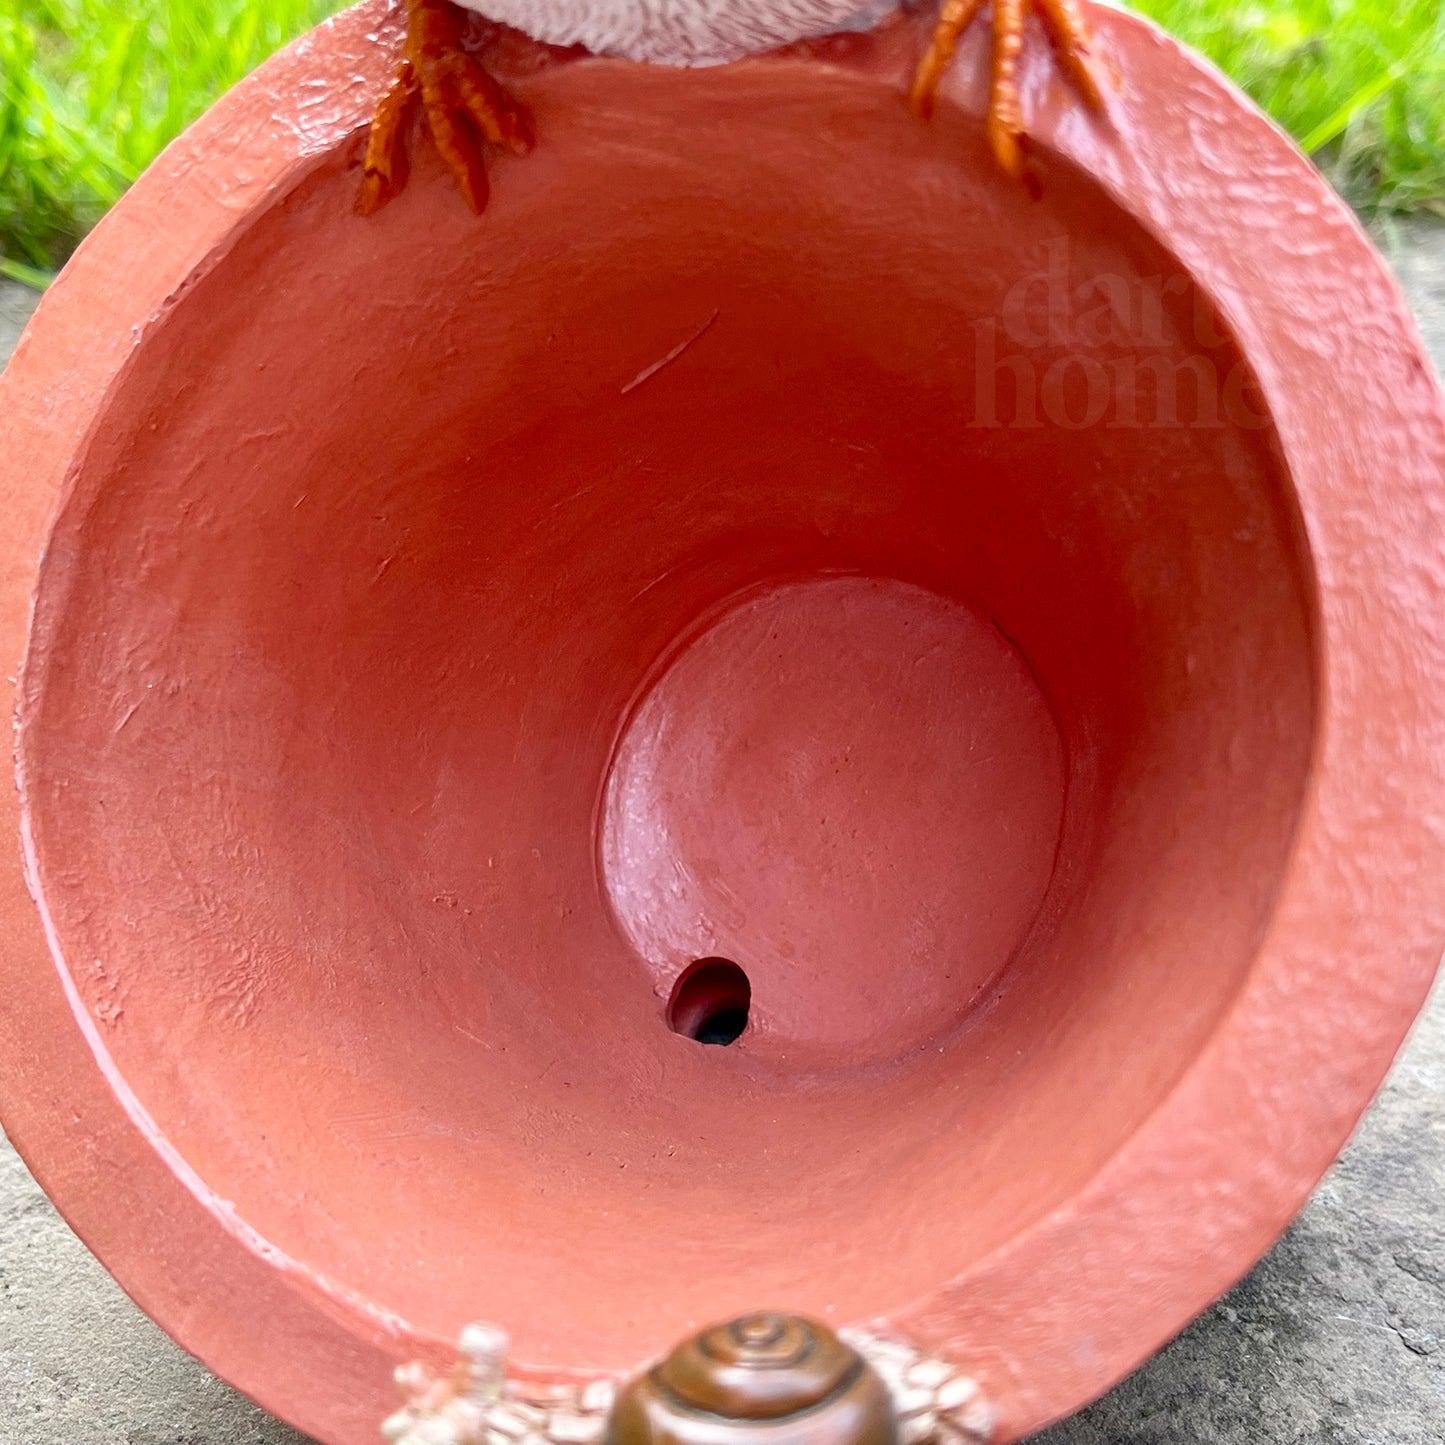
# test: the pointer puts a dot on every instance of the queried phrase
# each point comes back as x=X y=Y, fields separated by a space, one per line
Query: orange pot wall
x=422 y=678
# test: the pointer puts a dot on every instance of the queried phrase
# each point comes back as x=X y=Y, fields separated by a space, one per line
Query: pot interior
x=475 y=657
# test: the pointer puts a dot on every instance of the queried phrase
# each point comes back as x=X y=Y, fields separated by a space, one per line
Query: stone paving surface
x=1336 y=1338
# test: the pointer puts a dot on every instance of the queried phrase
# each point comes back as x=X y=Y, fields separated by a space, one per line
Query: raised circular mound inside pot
x=723 y=736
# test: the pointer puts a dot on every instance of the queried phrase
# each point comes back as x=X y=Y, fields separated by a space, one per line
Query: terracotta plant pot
x=1006 y=630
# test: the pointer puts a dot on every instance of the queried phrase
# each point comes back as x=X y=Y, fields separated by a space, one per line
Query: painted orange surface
x=1010 y=629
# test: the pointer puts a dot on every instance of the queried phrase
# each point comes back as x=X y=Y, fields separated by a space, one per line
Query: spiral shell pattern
x=790 y=1376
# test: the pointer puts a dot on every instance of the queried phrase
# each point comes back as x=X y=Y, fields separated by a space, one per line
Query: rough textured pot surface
x=1009 y=630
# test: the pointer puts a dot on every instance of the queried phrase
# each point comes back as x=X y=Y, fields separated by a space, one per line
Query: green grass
x=90 y=90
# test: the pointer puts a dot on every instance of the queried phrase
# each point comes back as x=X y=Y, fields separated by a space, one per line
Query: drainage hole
x=710 y=1002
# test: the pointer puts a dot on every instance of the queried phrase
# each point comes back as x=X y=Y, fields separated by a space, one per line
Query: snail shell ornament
x=762 y=1379
x=778 y=1375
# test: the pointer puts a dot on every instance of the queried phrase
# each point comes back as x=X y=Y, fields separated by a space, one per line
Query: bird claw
x=1071 y=39
x=464 y=106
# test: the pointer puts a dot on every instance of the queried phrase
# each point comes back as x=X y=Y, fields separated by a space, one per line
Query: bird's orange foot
x=465 y=109
x=1065 y=24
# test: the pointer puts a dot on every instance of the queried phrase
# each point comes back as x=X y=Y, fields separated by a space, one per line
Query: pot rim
x=1206 y=1184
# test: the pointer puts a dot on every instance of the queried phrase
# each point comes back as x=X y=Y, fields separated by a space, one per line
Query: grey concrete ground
x=1337 y=1338
x=16 y=304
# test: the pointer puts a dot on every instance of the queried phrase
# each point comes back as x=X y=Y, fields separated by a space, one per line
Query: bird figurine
x=785 y=1379
x=468 y=111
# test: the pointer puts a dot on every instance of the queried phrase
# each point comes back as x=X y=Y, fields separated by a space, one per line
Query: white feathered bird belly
x=680 y=32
